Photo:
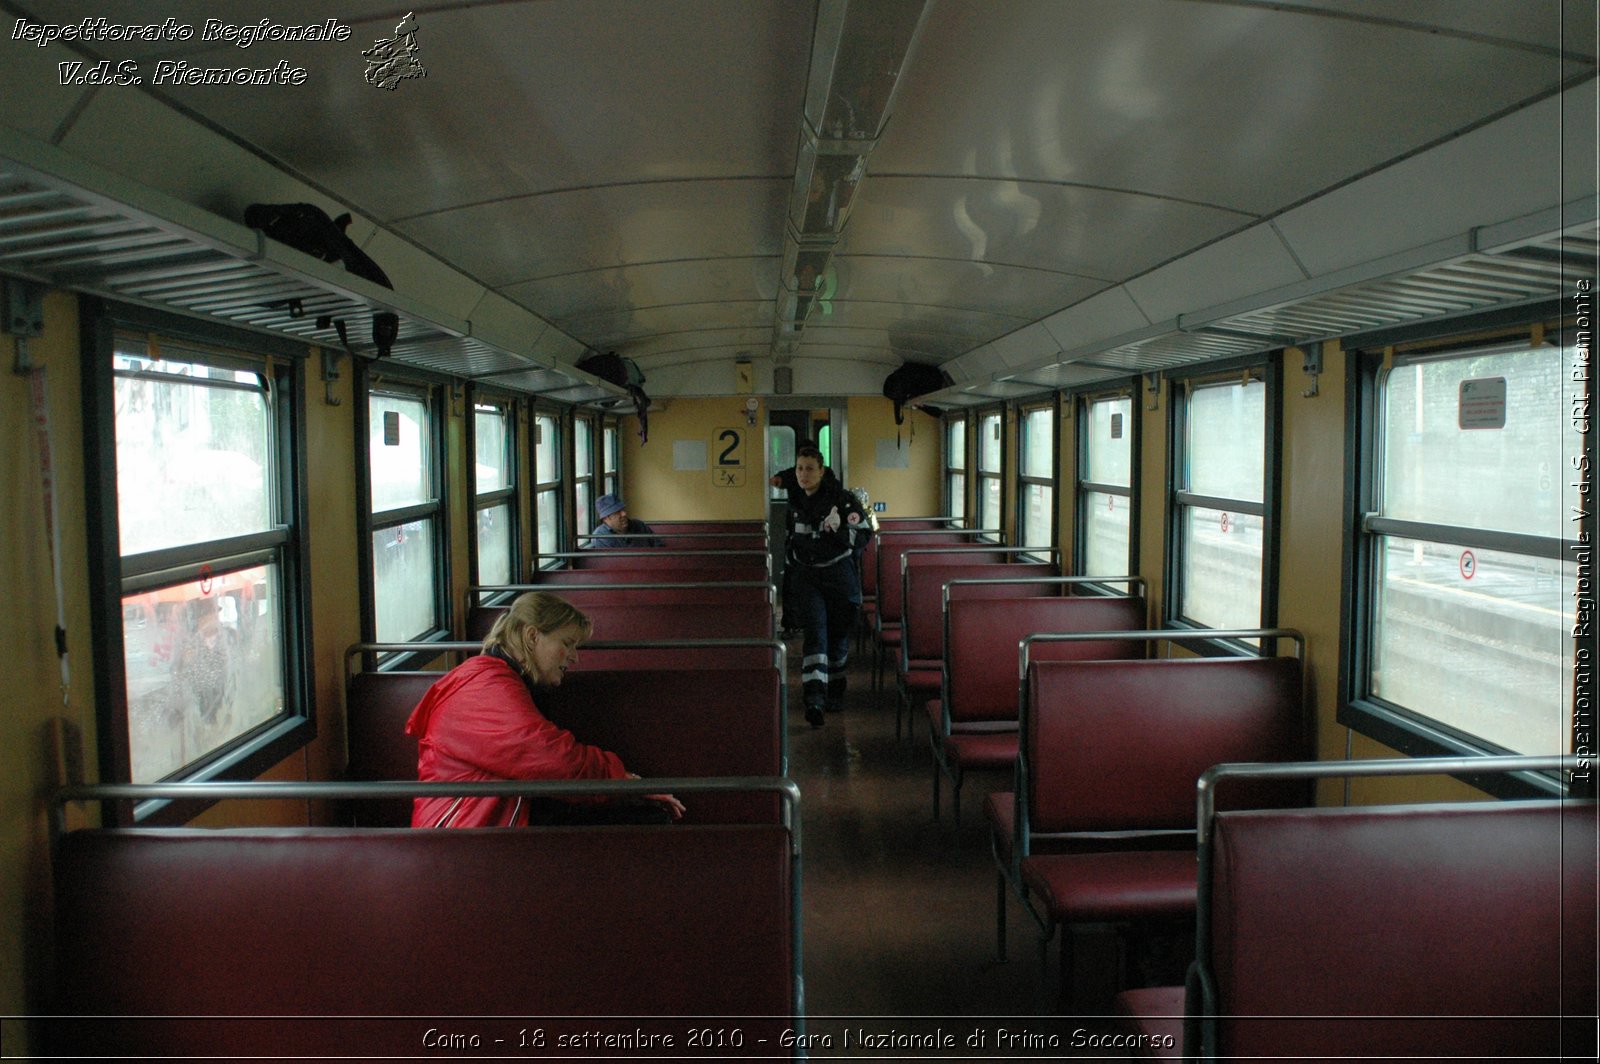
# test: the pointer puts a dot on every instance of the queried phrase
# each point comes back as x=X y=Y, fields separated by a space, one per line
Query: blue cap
x=606 y=505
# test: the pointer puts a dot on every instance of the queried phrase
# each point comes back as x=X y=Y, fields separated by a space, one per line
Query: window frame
x=1408 y=731
x=956 y=465
x=433 y=390
x=511 y=496
x=282 y=362
x=1051 y=409
x=585 y=427
x=610 y=455
x=542 y=488
x=1268 y=370
x=1083 y=403
x=998 y=414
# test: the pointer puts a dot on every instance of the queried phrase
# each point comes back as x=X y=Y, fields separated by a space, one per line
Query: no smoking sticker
x=1469 y=565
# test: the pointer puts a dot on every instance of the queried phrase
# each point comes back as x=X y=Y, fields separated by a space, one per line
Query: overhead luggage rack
x=1498 y=268
x=69 y=224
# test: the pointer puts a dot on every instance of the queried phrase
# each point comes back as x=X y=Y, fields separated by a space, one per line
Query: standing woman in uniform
x=826 y=526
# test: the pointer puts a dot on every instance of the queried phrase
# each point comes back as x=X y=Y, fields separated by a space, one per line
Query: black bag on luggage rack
x=307 y=227
x=624 y=373
x=911 y=380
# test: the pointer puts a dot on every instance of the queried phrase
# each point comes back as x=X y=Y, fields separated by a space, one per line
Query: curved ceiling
x=1004 y=187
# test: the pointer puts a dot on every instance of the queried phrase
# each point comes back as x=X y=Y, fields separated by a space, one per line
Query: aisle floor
x=899 y=908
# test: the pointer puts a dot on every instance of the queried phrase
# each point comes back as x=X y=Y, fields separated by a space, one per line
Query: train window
x=494 y=491
x=608 y=459
x=405 y=522
x=547 y=482
x=991 y=451
x=583 y=472
x=1105 y=512
x=955 y=467
x=1466 y=608
x=205 y=523
x=1036 y=475
x=1223 y=493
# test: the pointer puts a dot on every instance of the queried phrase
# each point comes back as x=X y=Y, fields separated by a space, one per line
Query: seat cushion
x=981 y=750
x=1153 y=1018
x=1128 y=885
x=922 y=677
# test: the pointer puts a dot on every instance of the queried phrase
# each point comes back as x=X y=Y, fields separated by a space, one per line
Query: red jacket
x=479 y=722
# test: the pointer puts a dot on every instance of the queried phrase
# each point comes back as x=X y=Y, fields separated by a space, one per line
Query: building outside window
x=955 y=467
x=207 y=543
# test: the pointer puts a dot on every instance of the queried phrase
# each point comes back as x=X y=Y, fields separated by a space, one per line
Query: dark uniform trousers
x=827 y=600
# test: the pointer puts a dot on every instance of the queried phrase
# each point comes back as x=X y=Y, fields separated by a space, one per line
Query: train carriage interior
x=331 y=326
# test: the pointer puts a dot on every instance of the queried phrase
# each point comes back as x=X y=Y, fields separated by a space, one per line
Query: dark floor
x=899 y=909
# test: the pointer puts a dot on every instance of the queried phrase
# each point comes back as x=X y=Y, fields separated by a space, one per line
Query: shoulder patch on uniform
x=855 y=519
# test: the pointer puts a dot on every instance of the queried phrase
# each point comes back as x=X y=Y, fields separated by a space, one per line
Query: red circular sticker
x=1224 y=522
x=1469 y=565
x=205 y=580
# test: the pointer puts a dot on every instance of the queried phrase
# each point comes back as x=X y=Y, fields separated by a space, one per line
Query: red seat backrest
x=925 y=578
x=177 y=938
x=752 y=564
x=623 y=620
x=981 y=659
x=555 y=579
x=893 y=546
x=880 y=562
x=1118 y=745
x=662 y=719
x=1448 y=914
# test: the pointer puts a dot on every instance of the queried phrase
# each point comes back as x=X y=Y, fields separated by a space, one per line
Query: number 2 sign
x=727 y=467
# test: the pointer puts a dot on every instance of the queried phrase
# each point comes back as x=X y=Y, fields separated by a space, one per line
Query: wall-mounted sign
x=727 y=457
x=1482 y=404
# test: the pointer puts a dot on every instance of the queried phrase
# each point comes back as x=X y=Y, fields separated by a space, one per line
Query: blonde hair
x=539 y=610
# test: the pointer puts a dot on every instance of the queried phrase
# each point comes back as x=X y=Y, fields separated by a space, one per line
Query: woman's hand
x=674 y=806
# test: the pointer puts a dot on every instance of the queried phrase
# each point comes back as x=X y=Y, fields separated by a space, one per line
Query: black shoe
x=814 y=716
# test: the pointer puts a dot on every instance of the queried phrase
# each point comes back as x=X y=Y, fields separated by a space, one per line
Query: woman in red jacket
x=479 y=722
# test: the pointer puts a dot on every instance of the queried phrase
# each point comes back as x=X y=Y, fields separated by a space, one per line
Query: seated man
x=617 y=529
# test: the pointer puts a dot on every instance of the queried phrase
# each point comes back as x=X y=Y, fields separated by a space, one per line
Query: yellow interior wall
x=1066 y=480
x=1152 y=495
x=911 y=492
x=655 y=491
x=27 y=627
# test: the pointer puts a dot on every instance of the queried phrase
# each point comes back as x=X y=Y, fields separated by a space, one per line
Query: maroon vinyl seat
x=662 y=721
x=706 y=573
x=1450 y=931
x=976 y=727
x=886 y=550
x=620 y=617
x=489 y=603
x=1116 y=747
x=352 y=943
x=924 y=575
x=737 y=564
x=1153 y=1019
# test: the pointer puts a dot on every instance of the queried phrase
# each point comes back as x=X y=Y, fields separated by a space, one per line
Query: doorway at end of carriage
x=791 y=421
